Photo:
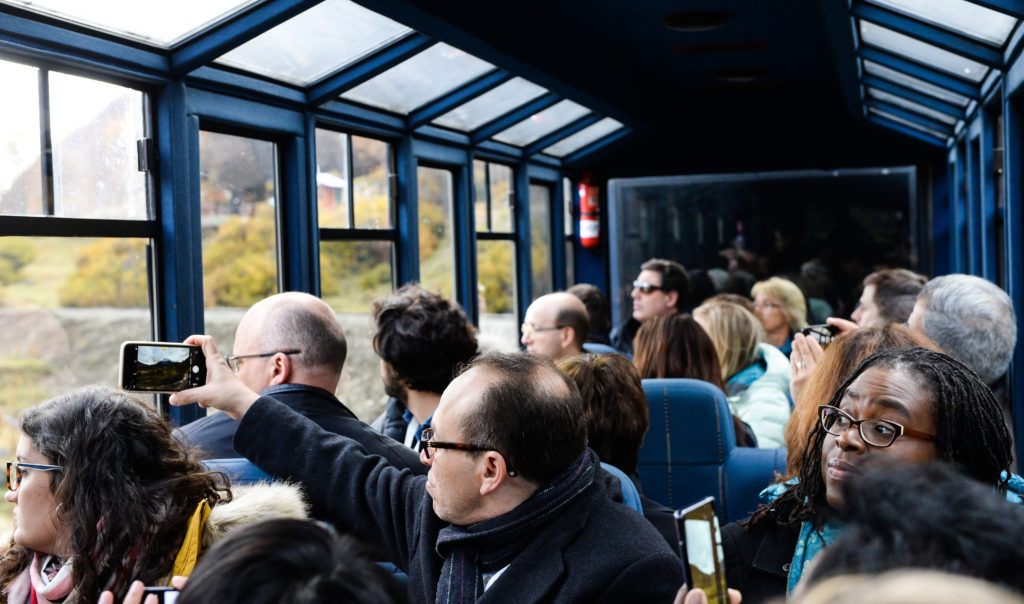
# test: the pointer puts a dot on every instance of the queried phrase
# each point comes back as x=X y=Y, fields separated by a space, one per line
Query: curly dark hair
x=126 y=493
x=423 y=336
x=970 y=432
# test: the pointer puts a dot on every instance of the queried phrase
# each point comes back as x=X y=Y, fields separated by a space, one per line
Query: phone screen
x=700 y=542
x=161 y=367
x=823 y=334
x=164 y=595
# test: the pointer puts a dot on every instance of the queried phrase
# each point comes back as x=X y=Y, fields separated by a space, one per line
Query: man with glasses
x=511 y=503
x=291 y=346
x=661 y=288
x=555 y=326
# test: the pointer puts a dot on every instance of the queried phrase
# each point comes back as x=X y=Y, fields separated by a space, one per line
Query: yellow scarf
x=192 y=547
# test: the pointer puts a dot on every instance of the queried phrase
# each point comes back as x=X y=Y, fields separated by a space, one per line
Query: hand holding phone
x=164 y=595
x=823 y=334
x=161 y=367
x=700 y=543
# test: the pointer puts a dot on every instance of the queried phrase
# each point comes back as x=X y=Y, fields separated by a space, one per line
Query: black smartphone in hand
x=700 y=544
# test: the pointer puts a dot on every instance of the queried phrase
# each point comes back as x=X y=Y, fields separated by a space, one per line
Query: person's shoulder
x=614 y=527
x=217 y=421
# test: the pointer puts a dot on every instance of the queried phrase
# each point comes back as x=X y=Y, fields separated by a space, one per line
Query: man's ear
x=495 y=472
x=280 y=369
x=566 y=336
x=673 y=299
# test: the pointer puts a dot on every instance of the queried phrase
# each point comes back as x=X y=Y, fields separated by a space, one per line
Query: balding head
x=291 y=321
x=556 y=326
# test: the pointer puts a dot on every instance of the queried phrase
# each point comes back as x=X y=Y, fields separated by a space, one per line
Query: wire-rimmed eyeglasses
x=232 y=360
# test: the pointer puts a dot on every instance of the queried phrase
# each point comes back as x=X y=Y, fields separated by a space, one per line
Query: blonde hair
x=734 y=331
x=790 y=298
x=905 y=587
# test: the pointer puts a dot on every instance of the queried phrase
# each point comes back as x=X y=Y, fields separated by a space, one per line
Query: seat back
x=687 y=450
x=238 y=469
x=630 y=496
x=598 y=348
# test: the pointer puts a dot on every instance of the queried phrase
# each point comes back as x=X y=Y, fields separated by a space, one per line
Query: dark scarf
x=489 y=546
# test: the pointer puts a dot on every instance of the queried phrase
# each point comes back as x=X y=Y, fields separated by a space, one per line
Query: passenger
x=104 y=495
x=291 y=345
x=756 y=374
x=743 y=301
x=782 y=309
x=888 y=297
x=661 y=288
x=510 y=503
x=676 y=346
x=616 y=416
x=294 y=561
x=421 y=338
x=906 y=587
x=597 y=309
x=931 y=408
x=925 y=517
x=555 y=326
x=837 y=362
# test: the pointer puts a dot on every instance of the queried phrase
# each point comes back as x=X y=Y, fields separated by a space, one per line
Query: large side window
x=540 y=239
x=75 y=229
x=437 y=245
x=570 y=232
x=496 y=254
x=355 y=211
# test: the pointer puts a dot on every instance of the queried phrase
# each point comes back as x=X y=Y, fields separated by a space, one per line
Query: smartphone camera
x=823 y=334
x=161 y=367
x=700 y=543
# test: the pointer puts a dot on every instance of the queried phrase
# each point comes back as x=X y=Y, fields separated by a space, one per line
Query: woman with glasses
x=104 y=495
x=900 y=406
x=756 y=374
x=782 y=309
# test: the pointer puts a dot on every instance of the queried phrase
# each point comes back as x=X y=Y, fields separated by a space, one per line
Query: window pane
x=161 y=23
x=909 y=105
x=501 y=198
x=66 y=305
x=540 y=239
x=908 y=123
x=575 y=142
x=370 y=168
x=21 y=190
x=416 y=81
x=960 y=16
x=237 y=201
x=437 y=251
x=570 y=229
x=922 y=52
x=881 y=71
x=317 y=42
x=496 y=271
x=354 y=273
x=95 y=127
x=332 y=179
x=544 y=122
x=490 y=105
x=480 y=204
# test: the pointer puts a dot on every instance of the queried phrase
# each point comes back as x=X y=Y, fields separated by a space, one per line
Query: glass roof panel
x=898 y=77
x=908 y=123
x=159 y=23
x=959 y=16
x=542 y=123
x=420 y=79
x=922 y=52
x=489 y=105
x=895 y=99
x=584 y=137
x=311 y=45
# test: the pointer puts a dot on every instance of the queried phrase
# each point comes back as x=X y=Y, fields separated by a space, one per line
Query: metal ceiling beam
x=460 y=95
x=513 y=117
x=377 y=63
x=936 y=36
x=917 y=134
x=597 y=145
x=932 y=76
x=906 y=114
x=568 y=130
x=1014 y=8
x=912 y=95
x=232 y=33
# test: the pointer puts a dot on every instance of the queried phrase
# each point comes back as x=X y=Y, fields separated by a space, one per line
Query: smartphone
x=161 y=367
x=700 y=545
x=823 y=334
x=164 y=595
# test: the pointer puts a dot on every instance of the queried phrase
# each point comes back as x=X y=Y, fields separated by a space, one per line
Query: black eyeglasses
x=233 y=359
x=645 y=287
x=530 y=329
x=873 y=431
x=14 y=479
x=430 y=446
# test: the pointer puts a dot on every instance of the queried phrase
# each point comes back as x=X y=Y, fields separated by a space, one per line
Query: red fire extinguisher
x=590 y=215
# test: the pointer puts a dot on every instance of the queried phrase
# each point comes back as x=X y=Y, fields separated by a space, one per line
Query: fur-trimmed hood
x=253 y=503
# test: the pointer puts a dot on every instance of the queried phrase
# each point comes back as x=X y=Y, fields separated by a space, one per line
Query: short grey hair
x=972 y=320
x=304 y=322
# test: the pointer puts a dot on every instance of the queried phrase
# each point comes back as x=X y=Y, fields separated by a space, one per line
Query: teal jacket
x=759 y=395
